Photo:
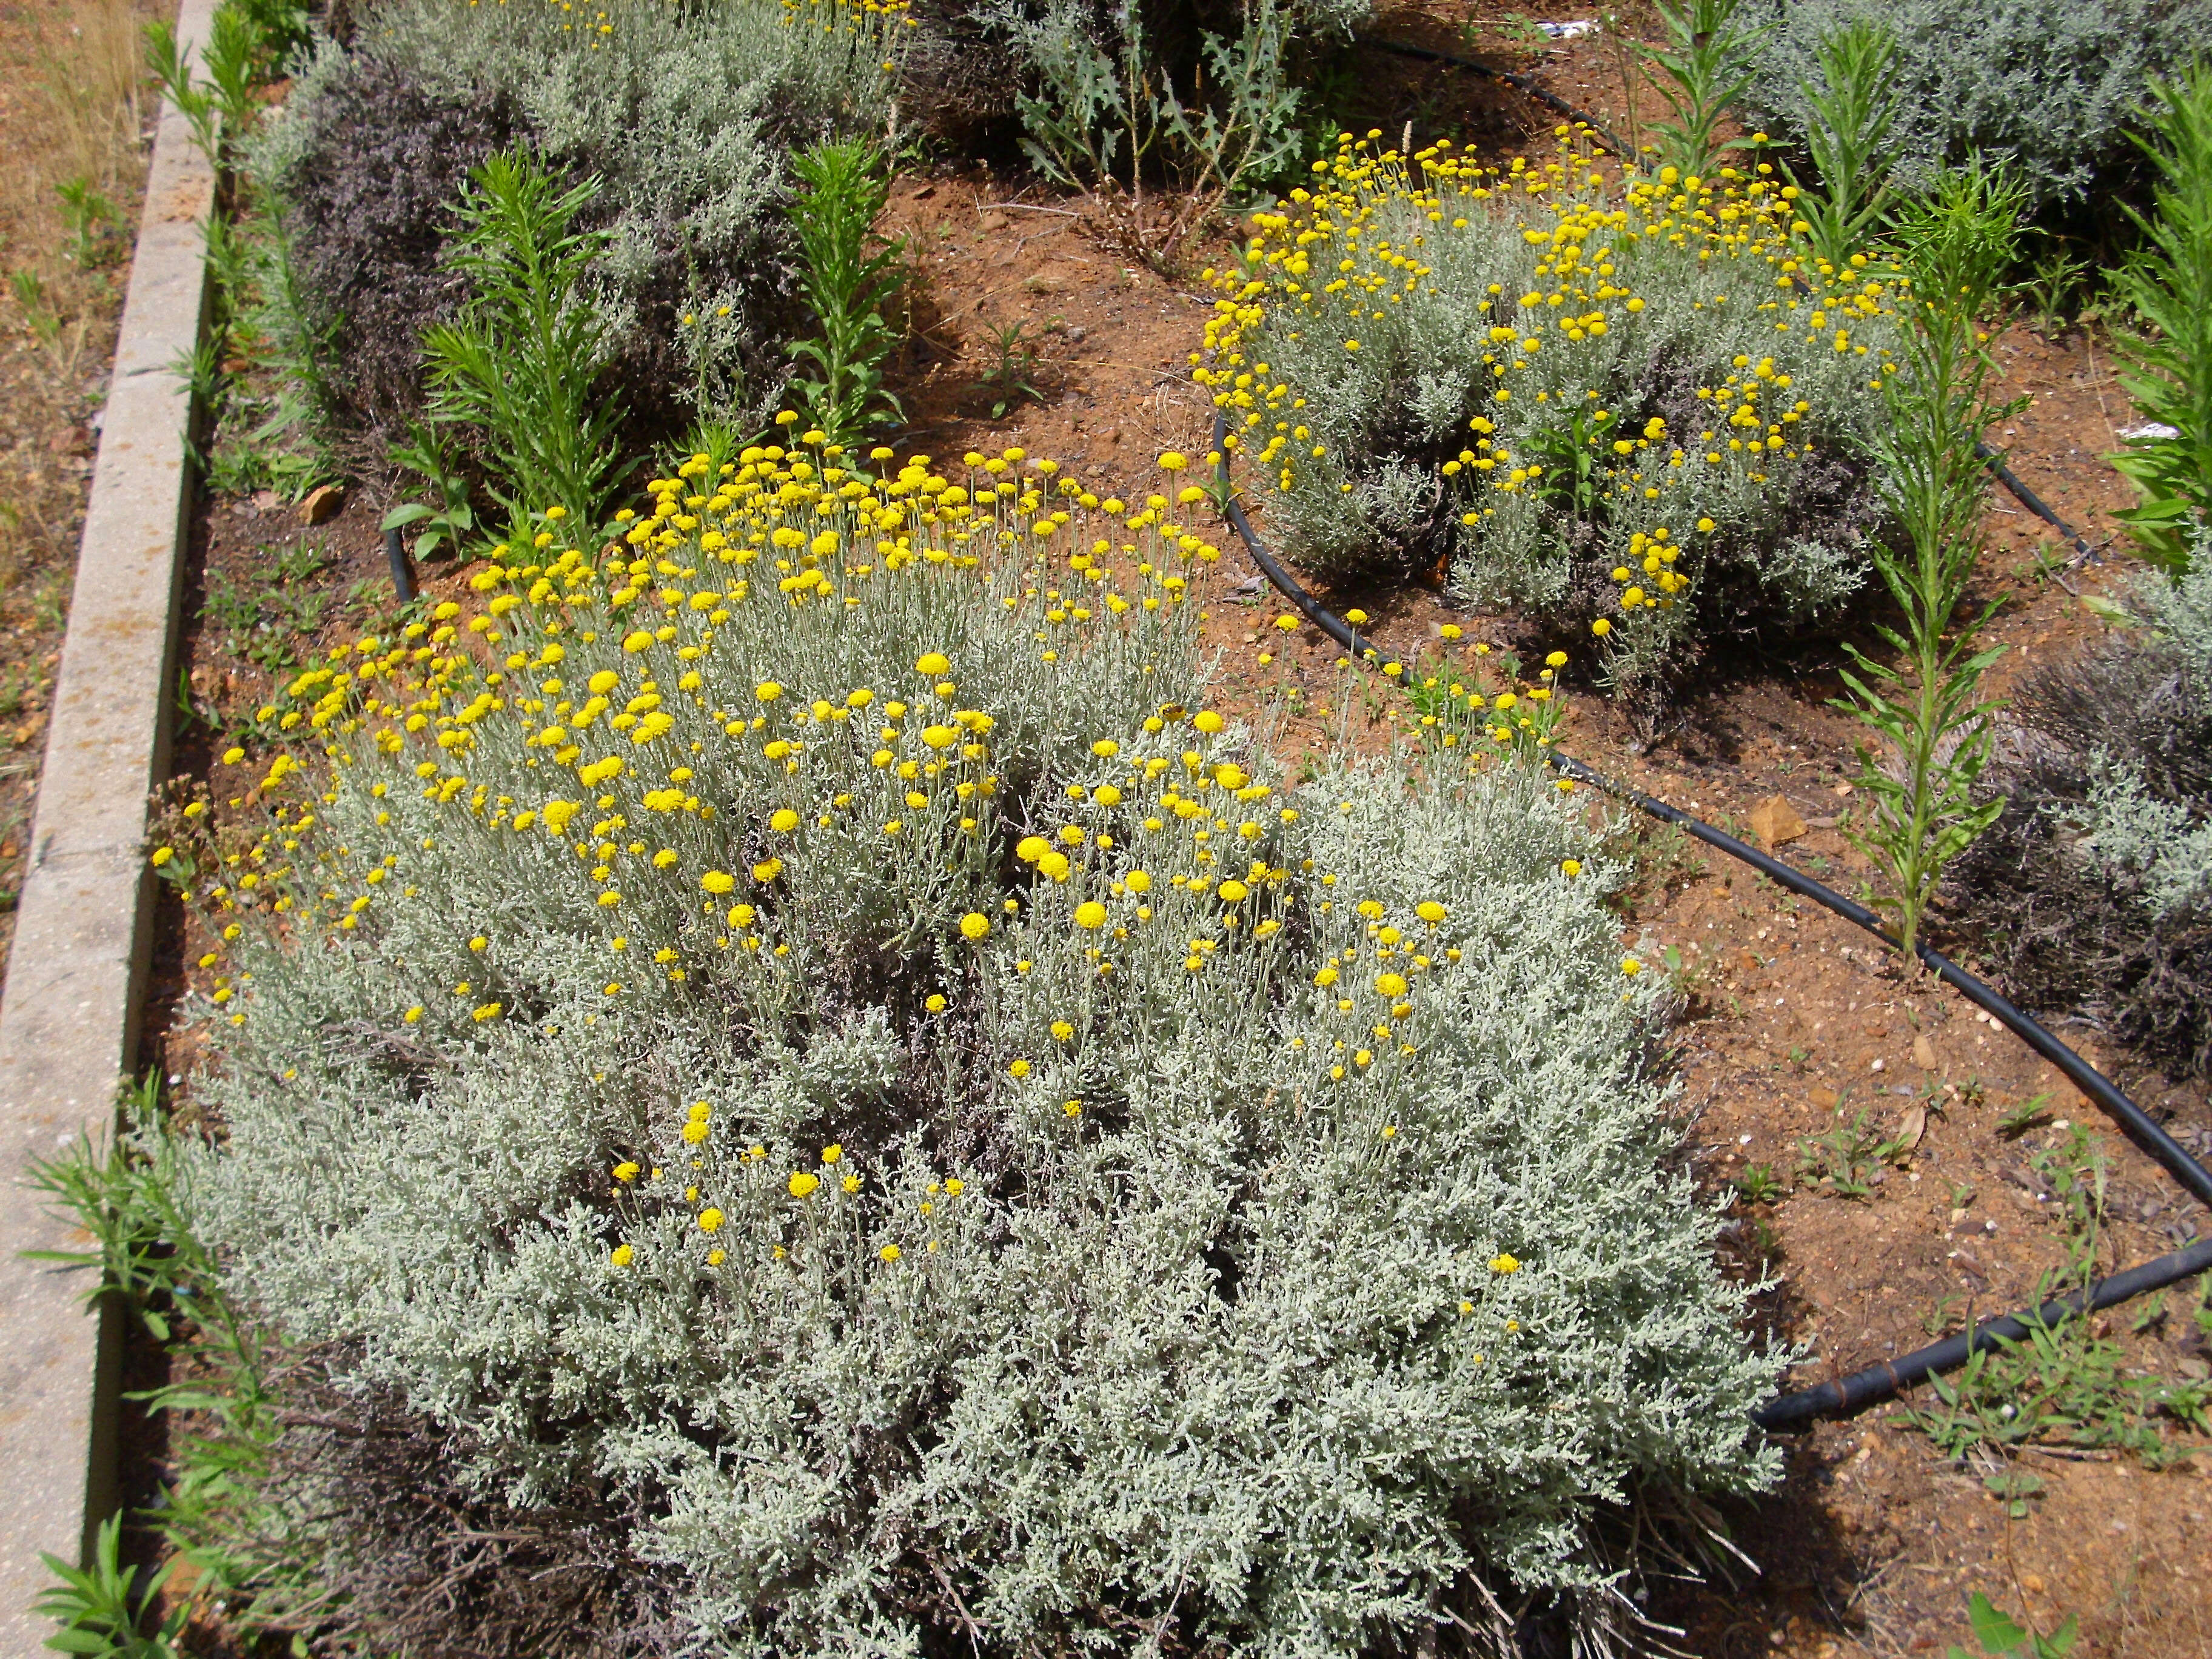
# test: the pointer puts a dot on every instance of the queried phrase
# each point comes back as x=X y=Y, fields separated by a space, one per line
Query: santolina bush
x=810 y=1025
x=2051 y=88
x=1635 y=402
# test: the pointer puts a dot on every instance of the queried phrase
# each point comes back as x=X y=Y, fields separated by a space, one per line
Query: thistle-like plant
x=1708 y=60
x=1926 y=706
x=845 y=287
x=1854 y=106
x=2168 y=284
x=521 y=365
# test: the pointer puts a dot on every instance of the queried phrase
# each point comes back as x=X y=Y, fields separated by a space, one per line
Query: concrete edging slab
x=76 y=973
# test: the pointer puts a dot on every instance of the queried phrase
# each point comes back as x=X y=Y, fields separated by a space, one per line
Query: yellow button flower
x=1090 y=915
x=801 y=1184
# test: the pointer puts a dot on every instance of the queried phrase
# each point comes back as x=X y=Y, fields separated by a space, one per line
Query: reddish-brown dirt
x=1791 y=1016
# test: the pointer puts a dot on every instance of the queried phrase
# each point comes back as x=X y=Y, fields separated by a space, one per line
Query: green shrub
x=844 y=187
x=2093 y=893
x=821 y=1046
x=1642 y=408
x=1925 y=703
x=2051 y=87
x=2168 y=285
x=1207 y=95
x=682 y=113
x=520 y=364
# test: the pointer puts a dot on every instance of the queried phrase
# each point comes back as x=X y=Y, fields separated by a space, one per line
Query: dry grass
x=73 y=106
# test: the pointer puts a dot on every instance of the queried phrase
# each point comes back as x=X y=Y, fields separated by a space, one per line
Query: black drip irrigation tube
x=1845 y=1395
x=2033 y=502
x=2027 y=497
x=403 y=577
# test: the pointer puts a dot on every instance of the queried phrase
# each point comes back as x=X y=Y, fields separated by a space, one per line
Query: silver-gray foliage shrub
x=683 y=112
x=1639 y=402
x=2049 y=86
x=2092 y=892
x=2157 y=844
x=819 y=1032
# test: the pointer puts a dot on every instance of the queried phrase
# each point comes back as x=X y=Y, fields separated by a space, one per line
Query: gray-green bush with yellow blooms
x=1638 y=402
x=813 y=1026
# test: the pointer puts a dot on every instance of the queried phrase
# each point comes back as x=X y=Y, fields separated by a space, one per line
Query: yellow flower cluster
x=1579 y=285
x=661 y=742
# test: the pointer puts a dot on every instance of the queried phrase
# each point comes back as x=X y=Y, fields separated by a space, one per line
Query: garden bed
x=1029 y=334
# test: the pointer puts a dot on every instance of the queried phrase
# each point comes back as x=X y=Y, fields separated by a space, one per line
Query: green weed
x=2029 y=1114
x=445 y=524
x=1012 y=379
x=1706 y=62
x=1999 y=1637
x=2062 y=1382
x=1844 y=1161
x=1758 y=1184
x=102 y=1610
x=1853 y=108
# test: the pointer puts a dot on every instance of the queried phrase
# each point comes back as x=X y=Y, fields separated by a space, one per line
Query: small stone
x=2031 y=1583
x=1823 y=1097
x=322 y=504
x=1775 y=822
x=1923 y=1054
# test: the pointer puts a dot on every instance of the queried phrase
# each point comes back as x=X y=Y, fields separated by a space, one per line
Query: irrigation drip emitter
x=1845 y=1395
x=2027 y=497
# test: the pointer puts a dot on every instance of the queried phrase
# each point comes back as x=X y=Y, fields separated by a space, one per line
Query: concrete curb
x=76 y=974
